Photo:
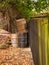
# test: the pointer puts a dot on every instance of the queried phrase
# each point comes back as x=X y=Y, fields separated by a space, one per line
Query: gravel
x=15 y=56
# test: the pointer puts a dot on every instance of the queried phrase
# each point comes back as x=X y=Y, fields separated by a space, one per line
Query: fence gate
x=38 y=32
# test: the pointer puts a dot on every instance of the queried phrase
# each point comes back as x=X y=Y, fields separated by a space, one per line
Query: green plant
x=16 y=9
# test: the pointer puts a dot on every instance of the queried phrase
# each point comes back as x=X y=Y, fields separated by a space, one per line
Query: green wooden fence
x=39 y=40
x=43 y=40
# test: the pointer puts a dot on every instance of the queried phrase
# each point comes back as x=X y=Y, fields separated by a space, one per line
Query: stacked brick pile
x=4 y=37
x=3 y=31
x=15 y=56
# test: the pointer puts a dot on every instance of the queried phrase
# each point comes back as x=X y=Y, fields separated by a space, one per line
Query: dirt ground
x=16 y=56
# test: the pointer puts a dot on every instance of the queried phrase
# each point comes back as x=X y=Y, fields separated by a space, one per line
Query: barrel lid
x=20 y=22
